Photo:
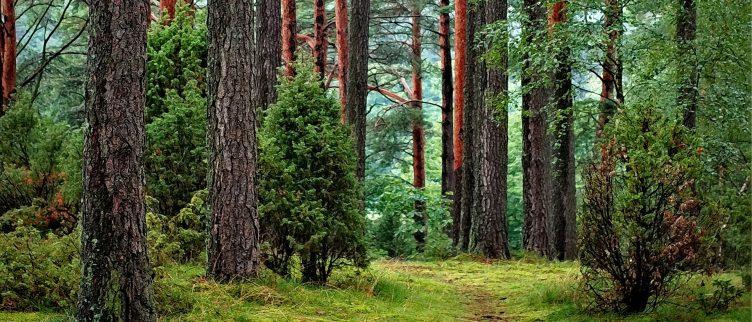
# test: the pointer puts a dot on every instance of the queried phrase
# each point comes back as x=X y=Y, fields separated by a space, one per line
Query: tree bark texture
x=445 y=52
x=535 y=154
x=289 y=31
x=268 y=51
x=341 y=21
x=357 y=87
x=233 y=248
x=319 y=37
x=686 y=28
x=563 y=231
x=612 y=94
x=116 y=282
x=460 y=51
x=9 y=51
x=489 y=223
x=419 y=137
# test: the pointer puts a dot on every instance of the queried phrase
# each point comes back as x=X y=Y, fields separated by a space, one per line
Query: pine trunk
x=268 y=54
x=233 y=248
x=9 y=51
x=445 y=52
x=563 y=230
x=320 y=43
x=116 y=282
x=535 y=154
x=611 y=89
x=357 y=87
x=460 y=51
x=686 y=28
x=419 y=137
x=341 y=21
x=169 y=7
x=289 y=31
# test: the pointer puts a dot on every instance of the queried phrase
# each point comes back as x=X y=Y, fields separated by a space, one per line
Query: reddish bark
x=289 y=33
x=419 y=138
x=169 y=6
x=9 y=51
x=611 y=89
x=445 y=53
x=460 y=52
x=343 y=52
x=319 y=37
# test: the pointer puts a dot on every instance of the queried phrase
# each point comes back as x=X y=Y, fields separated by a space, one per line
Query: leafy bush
x=176 y=152
x=180 y=238
x=38 y=270
x=309 y=194
x=40 y=164
x=639 y=218
x=724 y=294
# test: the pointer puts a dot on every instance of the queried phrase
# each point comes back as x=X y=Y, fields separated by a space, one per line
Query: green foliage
x=180 y=238
x=38 y=271
x=724 y=294
x=309 y=194
x=176 y=163
x=639 y=221
x=39 y=160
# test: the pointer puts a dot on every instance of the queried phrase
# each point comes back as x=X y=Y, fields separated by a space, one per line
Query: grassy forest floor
x=457 y=289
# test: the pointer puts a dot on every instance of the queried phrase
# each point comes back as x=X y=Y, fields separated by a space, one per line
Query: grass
x=459 y=289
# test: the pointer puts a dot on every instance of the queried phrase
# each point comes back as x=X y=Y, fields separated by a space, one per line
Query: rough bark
x=535 y=158
x=357 y=87
x=268 y=51
x=686 y=28
x=319 y=37
x=419 y=137
x=612 y=95
x=3 y=105
x=9 y=51
x=563 y=230
x=289 y=31
x=233 y=248
x=445 y=52
x=460 y=50
x=489 y=223
x=116 y=282
x=341 y=21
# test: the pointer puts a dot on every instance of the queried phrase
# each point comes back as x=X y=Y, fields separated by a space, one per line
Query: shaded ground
x=453 y=290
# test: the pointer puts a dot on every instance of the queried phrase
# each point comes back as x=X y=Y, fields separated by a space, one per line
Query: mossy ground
x=525 y=289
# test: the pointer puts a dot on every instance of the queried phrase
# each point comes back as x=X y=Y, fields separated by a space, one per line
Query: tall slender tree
x=445 y=53
x=686 y=28
x=418 y=133
x=289 y=32
x=357 y=82
x=320 y=43
x=489 y=235
x=268 y=53
x=341 y=22
x=233 y=248
x=612 y=93
x=563 y=232
x=116 y=282
x=9 y=50
x=460 y=50
x=535 y=155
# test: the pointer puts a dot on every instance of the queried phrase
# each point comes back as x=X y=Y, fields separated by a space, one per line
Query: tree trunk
x=535 y=158
x=341 y=21
x=460 y=51
x=9 y=51
x=233 y=248
x=319 y=36
x=289 y=31
x=490 y=237
x=116 y=282
x=612 y=94
x=563 y=229
x=419 y=137
x=686 y=27
x=445 y=52
x=169 y=7
x=357 y=87
x=268 y=56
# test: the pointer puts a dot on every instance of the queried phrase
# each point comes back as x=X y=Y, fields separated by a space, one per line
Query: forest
x=394 y=160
